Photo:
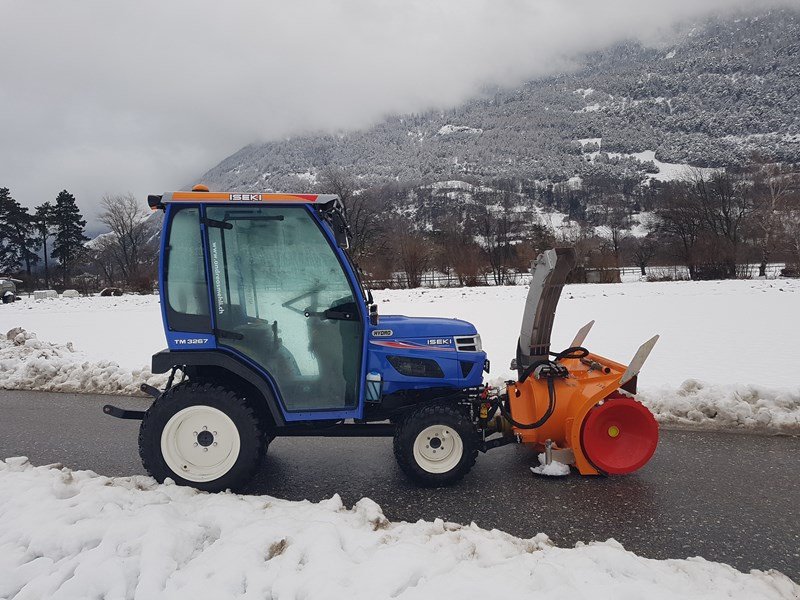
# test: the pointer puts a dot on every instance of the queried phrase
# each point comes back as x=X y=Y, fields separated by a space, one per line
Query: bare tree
x=615 y=219
x=643 y=250
x=724 y=203
x=772 y=191
x=132 y=238
x=104 y=257
x=363 y=209
x=679 y=219
x=499 y=225
x=414 y=255
x=458 y=251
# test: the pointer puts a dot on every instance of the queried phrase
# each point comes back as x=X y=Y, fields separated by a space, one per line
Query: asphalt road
x=730 y=498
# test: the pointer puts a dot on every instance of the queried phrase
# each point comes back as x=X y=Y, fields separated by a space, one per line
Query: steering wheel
x=290 y=303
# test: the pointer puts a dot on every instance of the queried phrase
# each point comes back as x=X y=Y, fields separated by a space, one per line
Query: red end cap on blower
x=620 y=436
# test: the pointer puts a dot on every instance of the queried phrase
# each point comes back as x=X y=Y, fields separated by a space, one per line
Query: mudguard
x=166 y=359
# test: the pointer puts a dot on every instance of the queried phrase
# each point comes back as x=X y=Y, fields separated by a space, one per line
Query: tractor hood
x=417 y=327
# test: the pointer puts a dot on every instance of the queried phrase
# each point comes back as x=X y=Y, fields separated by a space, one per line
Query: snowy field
x=75 y=535
x=726 y=357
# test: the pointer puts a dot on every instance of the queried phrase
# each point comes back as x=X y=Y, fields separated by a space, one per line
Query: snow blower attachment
x=574 y=405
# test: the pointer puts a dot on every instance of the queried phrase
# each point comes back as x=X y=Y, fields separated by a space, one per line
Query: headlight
x=470 y=343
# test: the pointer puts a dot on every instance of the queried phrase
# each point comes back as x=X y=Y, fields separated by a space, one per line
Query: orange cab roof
x=156 y=202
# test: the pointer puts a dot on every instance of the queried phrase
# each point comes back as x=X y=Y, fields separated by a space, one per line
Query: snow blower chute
x=575 y=405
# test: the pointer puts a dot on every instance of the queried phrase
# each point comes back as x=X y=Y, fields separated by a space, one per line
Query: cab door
x=283 y=300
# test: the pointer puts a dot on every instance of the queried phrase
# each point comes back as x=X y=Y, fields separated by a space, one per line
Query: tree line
x=48 y=247
x=469 y=232
x=713 y=223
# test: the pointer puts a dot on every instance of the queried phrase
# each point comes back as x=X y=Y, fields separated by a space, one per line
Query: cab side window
x=185 y=277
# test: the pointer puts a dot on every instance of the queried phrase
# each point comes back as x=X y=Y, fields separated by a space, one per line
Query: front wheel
x=436 y=445
x=202 y=435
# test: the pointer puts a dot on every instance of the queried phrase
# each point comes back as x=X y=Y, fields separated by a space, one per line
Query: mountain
x=712 y=95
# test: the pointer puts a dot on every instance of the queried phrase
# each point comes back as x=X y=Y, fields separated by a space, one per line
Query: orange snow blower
x=575 y=405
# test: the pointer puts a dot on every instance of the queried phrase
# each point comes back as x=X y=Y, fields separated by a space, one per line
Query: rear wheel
x=202 y=435
x=436 y=445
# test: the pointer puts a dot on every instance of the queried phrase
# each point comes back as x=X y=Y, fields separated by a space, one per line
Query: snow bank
x=73 y=534
x=126 y=329
x=705 y=327
x=31 y=364
x=699 y=405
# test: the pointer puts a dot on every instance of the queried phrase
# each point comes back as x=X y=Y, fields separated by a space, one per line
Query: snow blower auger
x=576 y=406
x=270 y=332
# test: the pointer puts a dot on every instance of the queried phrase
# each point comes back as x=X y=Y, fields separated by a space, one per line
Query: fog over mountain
x=102 y=97
x=712 y=94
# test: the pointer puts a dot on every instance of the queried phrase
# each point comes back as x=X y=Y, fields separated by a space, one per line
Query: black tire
x=252 y=440
x=8 y=299
x=453 y=420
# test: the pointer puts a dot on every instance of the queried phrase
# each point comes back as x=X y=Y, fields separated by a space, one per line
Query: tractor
x=270 y=332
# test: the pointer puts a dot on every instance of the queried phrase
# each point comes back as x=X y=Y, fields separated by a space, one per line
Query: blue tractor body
x=408 y=355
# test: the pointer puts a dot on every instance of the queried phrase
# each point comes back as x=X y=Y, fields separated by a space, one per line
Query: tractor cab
x=265 y=280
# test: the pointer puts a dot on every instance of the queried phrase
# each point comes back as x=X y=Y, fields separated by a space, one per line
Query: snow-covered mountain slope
x=710 y=95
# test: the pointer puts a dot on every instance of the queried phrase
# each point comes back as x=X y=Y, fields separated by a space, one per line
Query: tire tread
x=182 y=394
x=418 y=419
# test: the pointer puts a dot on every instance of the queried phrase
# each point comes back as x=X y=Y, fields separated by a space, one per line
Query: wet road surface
x=731 y=498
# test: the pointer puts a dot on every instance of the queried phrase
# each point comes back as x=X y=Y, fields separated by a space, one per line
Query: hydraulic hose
x=551 y=405
x=554 y=370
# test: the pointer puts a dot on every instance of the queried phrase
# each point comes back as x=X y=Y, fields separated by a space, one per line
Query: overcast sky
x=104 y=96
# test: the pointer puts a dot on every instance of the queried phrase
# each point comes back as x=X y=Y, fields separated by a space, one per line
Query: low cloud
x=110 y=97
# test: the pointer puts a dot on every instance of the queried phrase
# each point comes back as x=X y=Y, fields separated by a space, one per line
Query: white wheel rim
x=200 y=443
x=438 y=449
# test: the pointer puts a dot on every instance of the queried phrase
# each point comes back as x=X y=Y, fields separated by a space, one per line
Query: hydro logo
x=382 y=333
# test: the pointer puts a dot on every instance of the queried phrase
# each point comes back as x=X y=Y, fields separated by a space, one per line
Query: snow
x=585 y=141
x=670 y=54
x=666 y=171
x=641 y=226
x=29 y=363
x=554 y=469
x=590 y=108
x=307 y=176
x=74 y=535
x=451 y=129
x=575 y=182
x=736 y=406
x=724 y=360
x=126 y=329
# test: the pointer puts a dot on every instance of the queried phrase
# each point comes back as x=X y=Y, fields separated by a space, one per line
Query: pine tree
x=69 y=238
x=44 y=224
x=17 y=235
x=9 y=253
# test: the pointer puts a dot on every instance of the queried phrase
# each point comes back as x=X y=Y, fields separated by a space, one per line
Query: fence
x=627 y=274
